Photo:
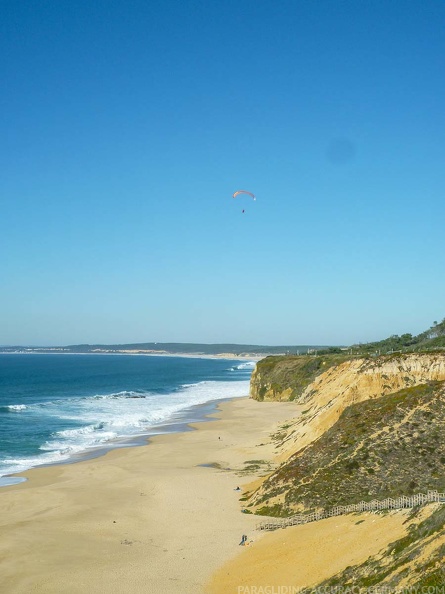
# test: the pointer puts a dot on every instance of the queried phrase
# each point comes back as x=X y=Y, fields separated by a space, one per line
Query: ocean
x=60 y=408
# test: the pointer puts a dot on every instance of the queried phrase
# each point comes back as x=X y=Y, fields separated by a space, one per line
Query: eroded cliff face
x=282 y=378
x=295 y=378
x=382 y=447
x=363 y=428
x=330 y=392
x=323 y=400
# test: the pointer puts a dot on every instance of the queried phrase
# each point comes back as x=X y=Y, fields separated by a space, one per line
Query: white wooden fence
x=338 y=510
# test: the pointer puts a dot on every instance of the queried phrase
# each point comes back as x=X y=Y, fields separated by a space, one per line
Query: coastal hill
x=340 y=408
x=326 y=386
x=367 y=426
x=383 y=447
x=431 y=339
x=287 y=377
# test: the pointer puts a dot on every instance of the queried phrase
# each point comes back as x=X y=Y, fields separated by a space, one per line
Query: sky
x=126 y=126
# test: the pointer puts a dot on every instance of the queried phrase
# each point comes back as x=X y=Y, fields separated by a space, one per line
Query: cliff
x=326 y=386
x=286 y=377
x=384 y=447
x=364 y=428
x=324 y=389
x=296 y=378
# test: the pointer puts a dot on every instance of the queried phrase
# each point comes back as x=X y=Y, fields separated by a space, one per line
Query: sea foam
x=99 y=421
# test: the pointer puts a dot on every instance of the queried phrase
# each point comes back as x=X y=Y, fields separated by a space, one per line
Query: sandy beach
x=166 y=518
x=303 y=556
x=156 y=518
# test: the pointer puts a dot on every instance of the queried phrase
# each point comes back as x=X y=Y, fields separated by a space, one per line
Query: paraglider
x=243 y=192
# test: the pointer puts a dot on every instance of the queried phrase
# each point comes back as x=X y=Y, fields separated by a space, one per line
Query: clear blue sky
x=126 y=126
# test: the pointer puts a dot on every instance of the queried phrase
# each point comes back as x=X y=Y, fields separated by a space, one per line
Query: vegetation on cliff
x=385 y=447
x=404 y=563
x=431 y=339
x=286 y=377
x=371 y=425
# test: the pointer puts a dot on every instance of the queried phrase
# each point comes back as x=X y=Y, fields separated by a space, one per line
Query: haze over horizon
x=126 y=128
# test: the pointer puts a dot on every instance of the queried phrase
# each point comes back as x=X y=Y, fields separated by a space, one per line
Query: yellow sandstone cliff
x=321 y=402
x=361 y=426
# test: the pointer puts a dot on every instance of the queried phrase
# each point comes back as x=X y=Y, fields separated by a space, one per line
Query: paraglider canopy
x=243 y=192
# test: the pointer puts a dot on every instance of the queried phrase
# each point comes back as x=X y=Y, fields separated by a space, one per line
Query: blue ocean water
x=55 y=407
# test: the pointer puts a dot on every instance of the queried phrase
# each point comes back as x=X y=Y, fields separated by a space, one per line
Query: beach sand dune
x=304 y=556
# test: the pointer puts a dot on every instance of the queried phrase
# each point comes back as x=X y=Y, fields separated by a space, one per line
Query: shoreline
x=162 y=516
x=180 y=422
x=192 y=405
